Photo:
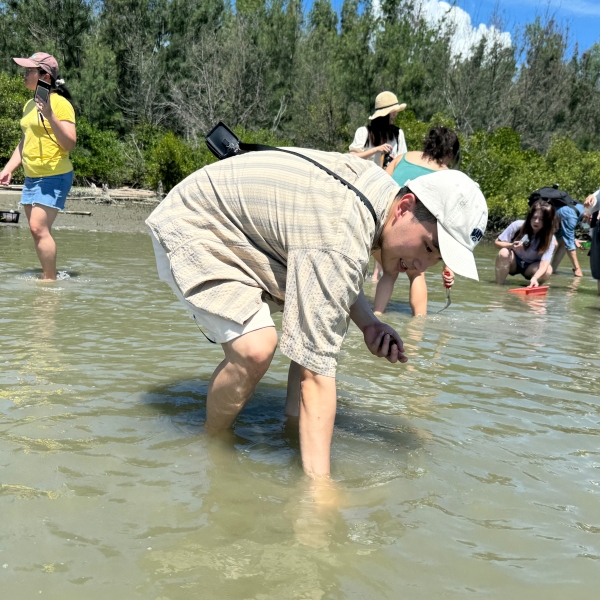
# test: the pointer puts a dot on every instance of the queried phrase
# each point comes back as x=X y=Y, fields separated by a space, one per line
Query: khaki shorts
x=217 y=329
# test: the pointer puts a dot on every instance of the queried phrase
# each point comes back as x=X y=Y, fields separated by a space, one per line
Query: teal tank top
x=405 y=171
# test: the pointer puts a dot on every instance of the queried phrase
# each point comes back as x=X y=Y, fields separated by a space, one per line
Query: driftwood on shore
x=78 y=193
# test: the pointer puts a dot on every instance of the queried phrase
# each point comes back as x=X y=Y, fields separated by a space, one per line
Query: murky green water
x=473 y=471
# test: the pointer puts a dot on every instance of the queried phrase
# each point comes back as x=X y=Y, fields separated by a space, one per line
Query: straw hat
x=385 y=103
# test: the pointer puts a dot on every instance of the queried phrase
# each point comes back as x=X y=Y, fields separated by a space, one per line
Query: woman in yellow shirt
x=48 y=136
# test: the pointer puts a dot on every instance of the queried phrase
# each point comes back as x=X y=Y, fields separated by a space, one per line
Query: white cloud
x=458 y=22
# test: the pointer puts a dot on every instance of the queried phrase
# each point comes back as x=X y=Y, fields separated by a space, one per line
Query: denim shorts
x=522 y=266
x=569 y=219
x=48 y=191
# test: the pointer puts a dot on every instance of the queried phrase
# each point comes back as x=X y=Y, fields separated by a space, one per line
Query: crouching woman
x=526 y=246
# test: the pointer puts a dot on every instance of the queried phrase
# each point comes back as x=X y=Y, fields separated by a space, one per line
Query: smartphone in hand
x=43 y=90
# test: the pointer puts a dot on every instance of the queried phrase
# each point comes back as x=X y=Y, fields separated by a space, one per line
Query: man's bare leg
x=559 y=254
x=572 y=254
x=247 y=359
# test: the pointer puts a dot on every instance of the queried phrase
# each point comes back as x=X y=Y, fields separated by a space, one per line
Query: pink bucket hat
x=41 y=60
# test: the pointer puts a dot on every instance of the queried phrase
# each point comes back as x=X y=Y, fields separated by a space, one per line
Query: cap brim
x=455 y=255
x=25 y=62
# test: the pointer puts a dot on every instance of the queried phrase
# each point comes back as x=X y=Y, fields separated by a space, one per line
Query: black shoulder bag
x=223 y=143
x=558 y=198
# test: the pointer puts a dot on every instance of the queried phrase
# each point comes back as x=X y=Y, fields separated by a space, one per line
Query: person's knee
x=39 y=230
x=254 y=351
x=259 y=358
x=504 y=255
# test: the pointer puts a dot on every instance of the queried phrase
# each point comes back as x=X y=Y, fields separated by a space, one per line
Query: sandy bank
x=121 y=210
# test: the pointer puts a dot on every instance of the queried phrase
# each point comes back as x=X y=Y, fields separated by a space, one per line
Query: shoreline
x=121 y=210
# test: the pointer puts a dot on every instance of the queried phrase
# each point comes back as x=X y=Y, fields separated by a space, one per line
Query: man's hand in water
x=383 y=341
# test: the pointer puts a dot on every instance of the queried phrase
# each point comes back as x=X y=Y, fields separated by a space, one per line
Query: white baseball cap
x=457 y=203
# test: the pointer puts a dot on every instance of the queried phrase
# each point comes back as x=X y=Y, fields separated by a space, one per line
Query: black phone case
x=222 y=142
x=45 y=87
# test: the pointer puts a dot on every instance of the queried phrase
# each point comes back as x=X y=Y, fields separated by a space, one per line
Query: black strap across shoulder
x=260 y=147
x=223 y=143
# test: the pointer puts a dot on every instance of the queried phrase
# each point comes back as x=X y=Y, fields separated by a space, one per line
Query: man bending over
x=268 y=231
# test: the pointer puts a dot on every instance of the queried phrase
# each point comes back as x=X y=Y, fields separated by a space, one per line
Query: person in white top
x=381 y=141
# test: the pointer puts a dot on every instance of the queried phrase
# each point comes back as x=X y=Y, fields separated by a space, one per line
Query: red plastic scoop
x=533 y=291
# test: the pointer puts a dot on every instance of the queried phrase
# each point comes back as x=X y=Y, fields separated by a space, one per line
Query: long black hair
x=381 y=131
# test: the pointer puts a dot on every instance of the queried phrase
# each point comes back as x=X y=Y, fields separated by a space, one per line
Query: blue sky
x=582 y=16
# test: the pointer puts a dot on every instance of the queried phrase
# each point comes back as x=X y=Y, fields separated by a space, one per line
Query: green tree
x=13 y=96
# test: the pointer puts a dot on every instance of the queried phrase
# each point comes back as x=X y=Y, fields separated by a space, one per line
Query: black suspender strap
x=260 y=147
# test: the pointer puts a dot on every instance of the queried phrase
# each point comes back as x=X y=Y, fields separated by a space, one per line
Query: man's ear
x=405 y=204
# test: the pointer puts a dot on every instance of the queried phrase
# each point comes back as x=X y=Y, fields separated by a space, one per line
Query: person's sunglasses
x=29 y=70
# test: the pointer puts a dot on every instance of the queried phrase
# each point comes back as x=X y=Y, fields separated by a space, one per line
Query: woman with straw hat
x=49 y=135
x=381 y=141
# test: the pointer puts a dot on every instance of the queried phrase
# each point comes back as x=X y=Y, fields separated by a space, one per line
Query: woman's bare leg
x=377 y=271
x=505 y=264
x=383 y=293
x=41 y=219
x=418 y=293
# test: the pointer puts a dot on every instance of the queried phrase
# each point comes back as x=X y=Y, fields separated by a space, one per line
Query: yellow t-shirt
x=42 y=156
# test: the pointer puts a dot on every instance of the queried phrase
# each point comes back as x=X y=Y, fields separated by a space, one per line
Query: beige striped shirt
x=268 y=224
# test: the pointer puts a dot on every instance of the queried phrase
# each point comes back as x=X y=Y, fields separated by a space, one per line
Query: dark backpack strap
x=260 y=147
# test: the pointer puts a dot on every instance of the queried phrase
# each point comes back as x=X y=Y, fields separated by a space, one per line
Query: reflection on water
x=473 y=469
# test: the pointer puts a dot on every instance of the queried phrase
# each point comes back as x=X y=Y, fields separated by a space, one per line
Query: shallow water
x=472 y=471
